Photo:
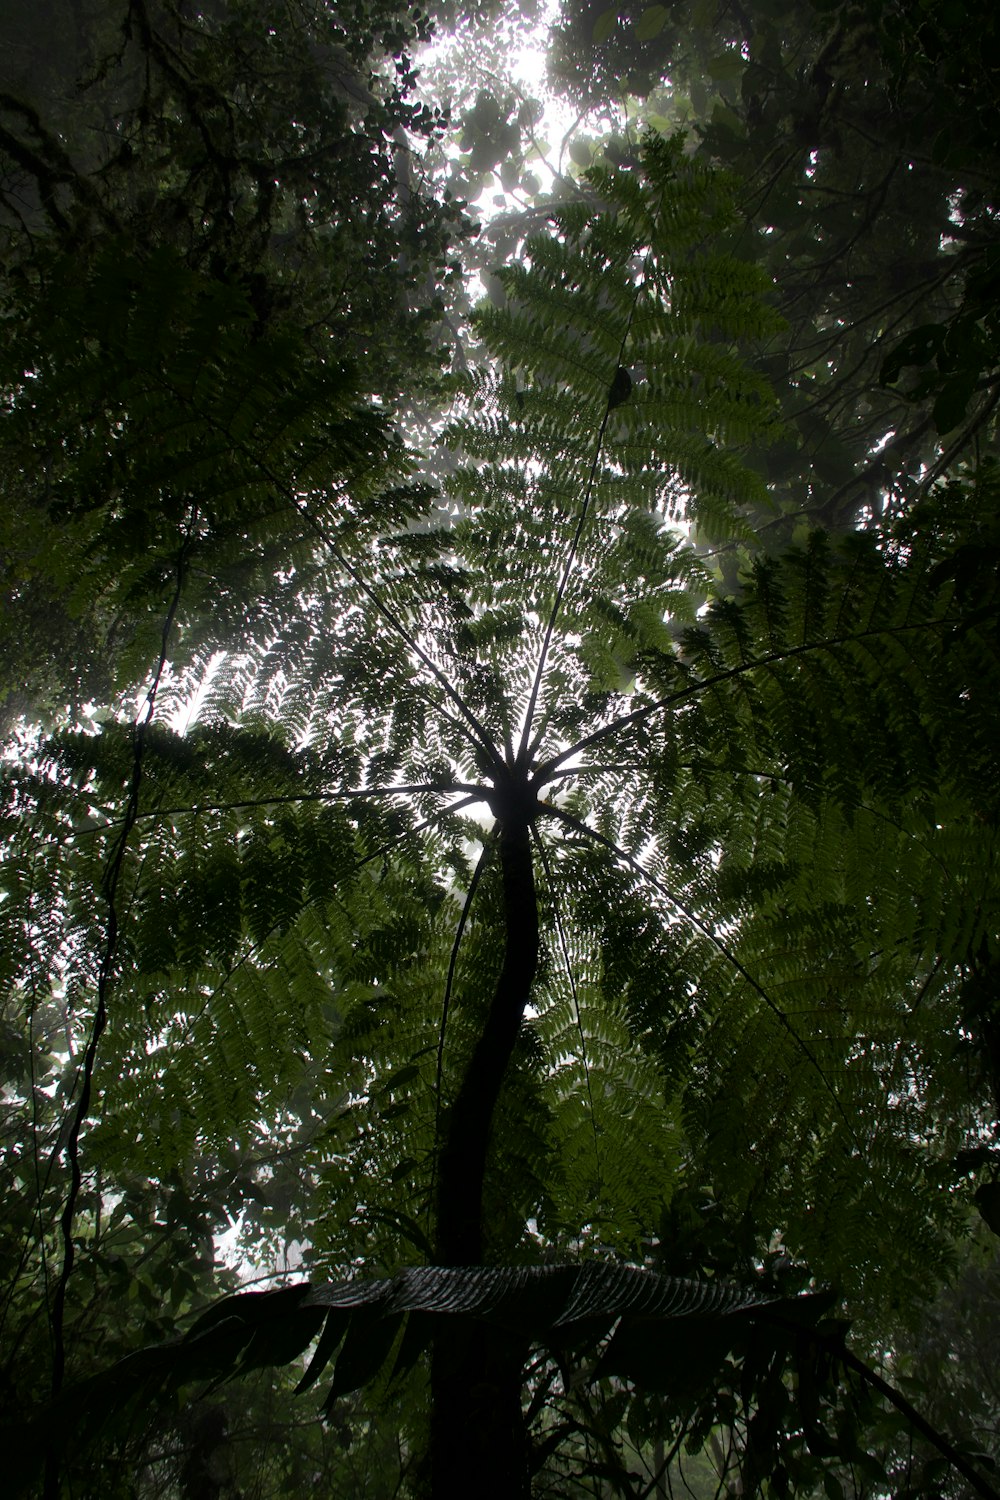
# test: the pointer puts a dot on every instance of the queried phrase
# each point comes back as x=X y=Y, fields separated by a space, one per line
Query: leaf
x=677 y=1359
x=725 y=66
x=918 y=347
x=417 y=1337
x=334 y=1329
x=536 y=1301
x=953 y=399
x=604 y=26
x=370 y=1336
x=651 y=22
x=281 y=1341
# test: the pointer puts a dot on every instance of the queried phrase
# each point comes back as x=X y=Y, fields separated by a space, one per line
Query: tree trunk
x=479 y=1441
x=478 y=1438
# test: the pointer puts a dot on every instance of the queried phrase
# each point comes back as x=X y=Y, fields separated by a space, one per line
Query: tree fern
x=554 y=865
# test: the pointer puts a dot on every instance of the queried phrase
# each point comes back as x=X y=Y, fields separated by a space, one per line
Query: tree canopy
x=500 y=802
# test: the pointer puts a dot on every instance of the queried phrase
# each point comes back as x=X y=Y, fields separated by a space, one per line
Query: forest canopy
x=499 y=674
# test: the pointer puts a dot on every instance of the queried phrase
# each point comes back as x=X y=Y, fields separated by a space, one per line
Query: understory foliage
x=552 y=874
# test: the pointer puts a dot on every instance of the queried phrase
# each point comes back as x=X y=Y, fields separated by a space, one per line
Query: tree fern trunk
x=478 y=1437
x=479 y=1440
x=463 y=1156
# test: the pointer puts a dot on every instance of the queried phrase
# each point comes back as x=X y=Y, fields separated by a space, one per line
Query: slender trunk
x=463 y=1156
x=478 y=1438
